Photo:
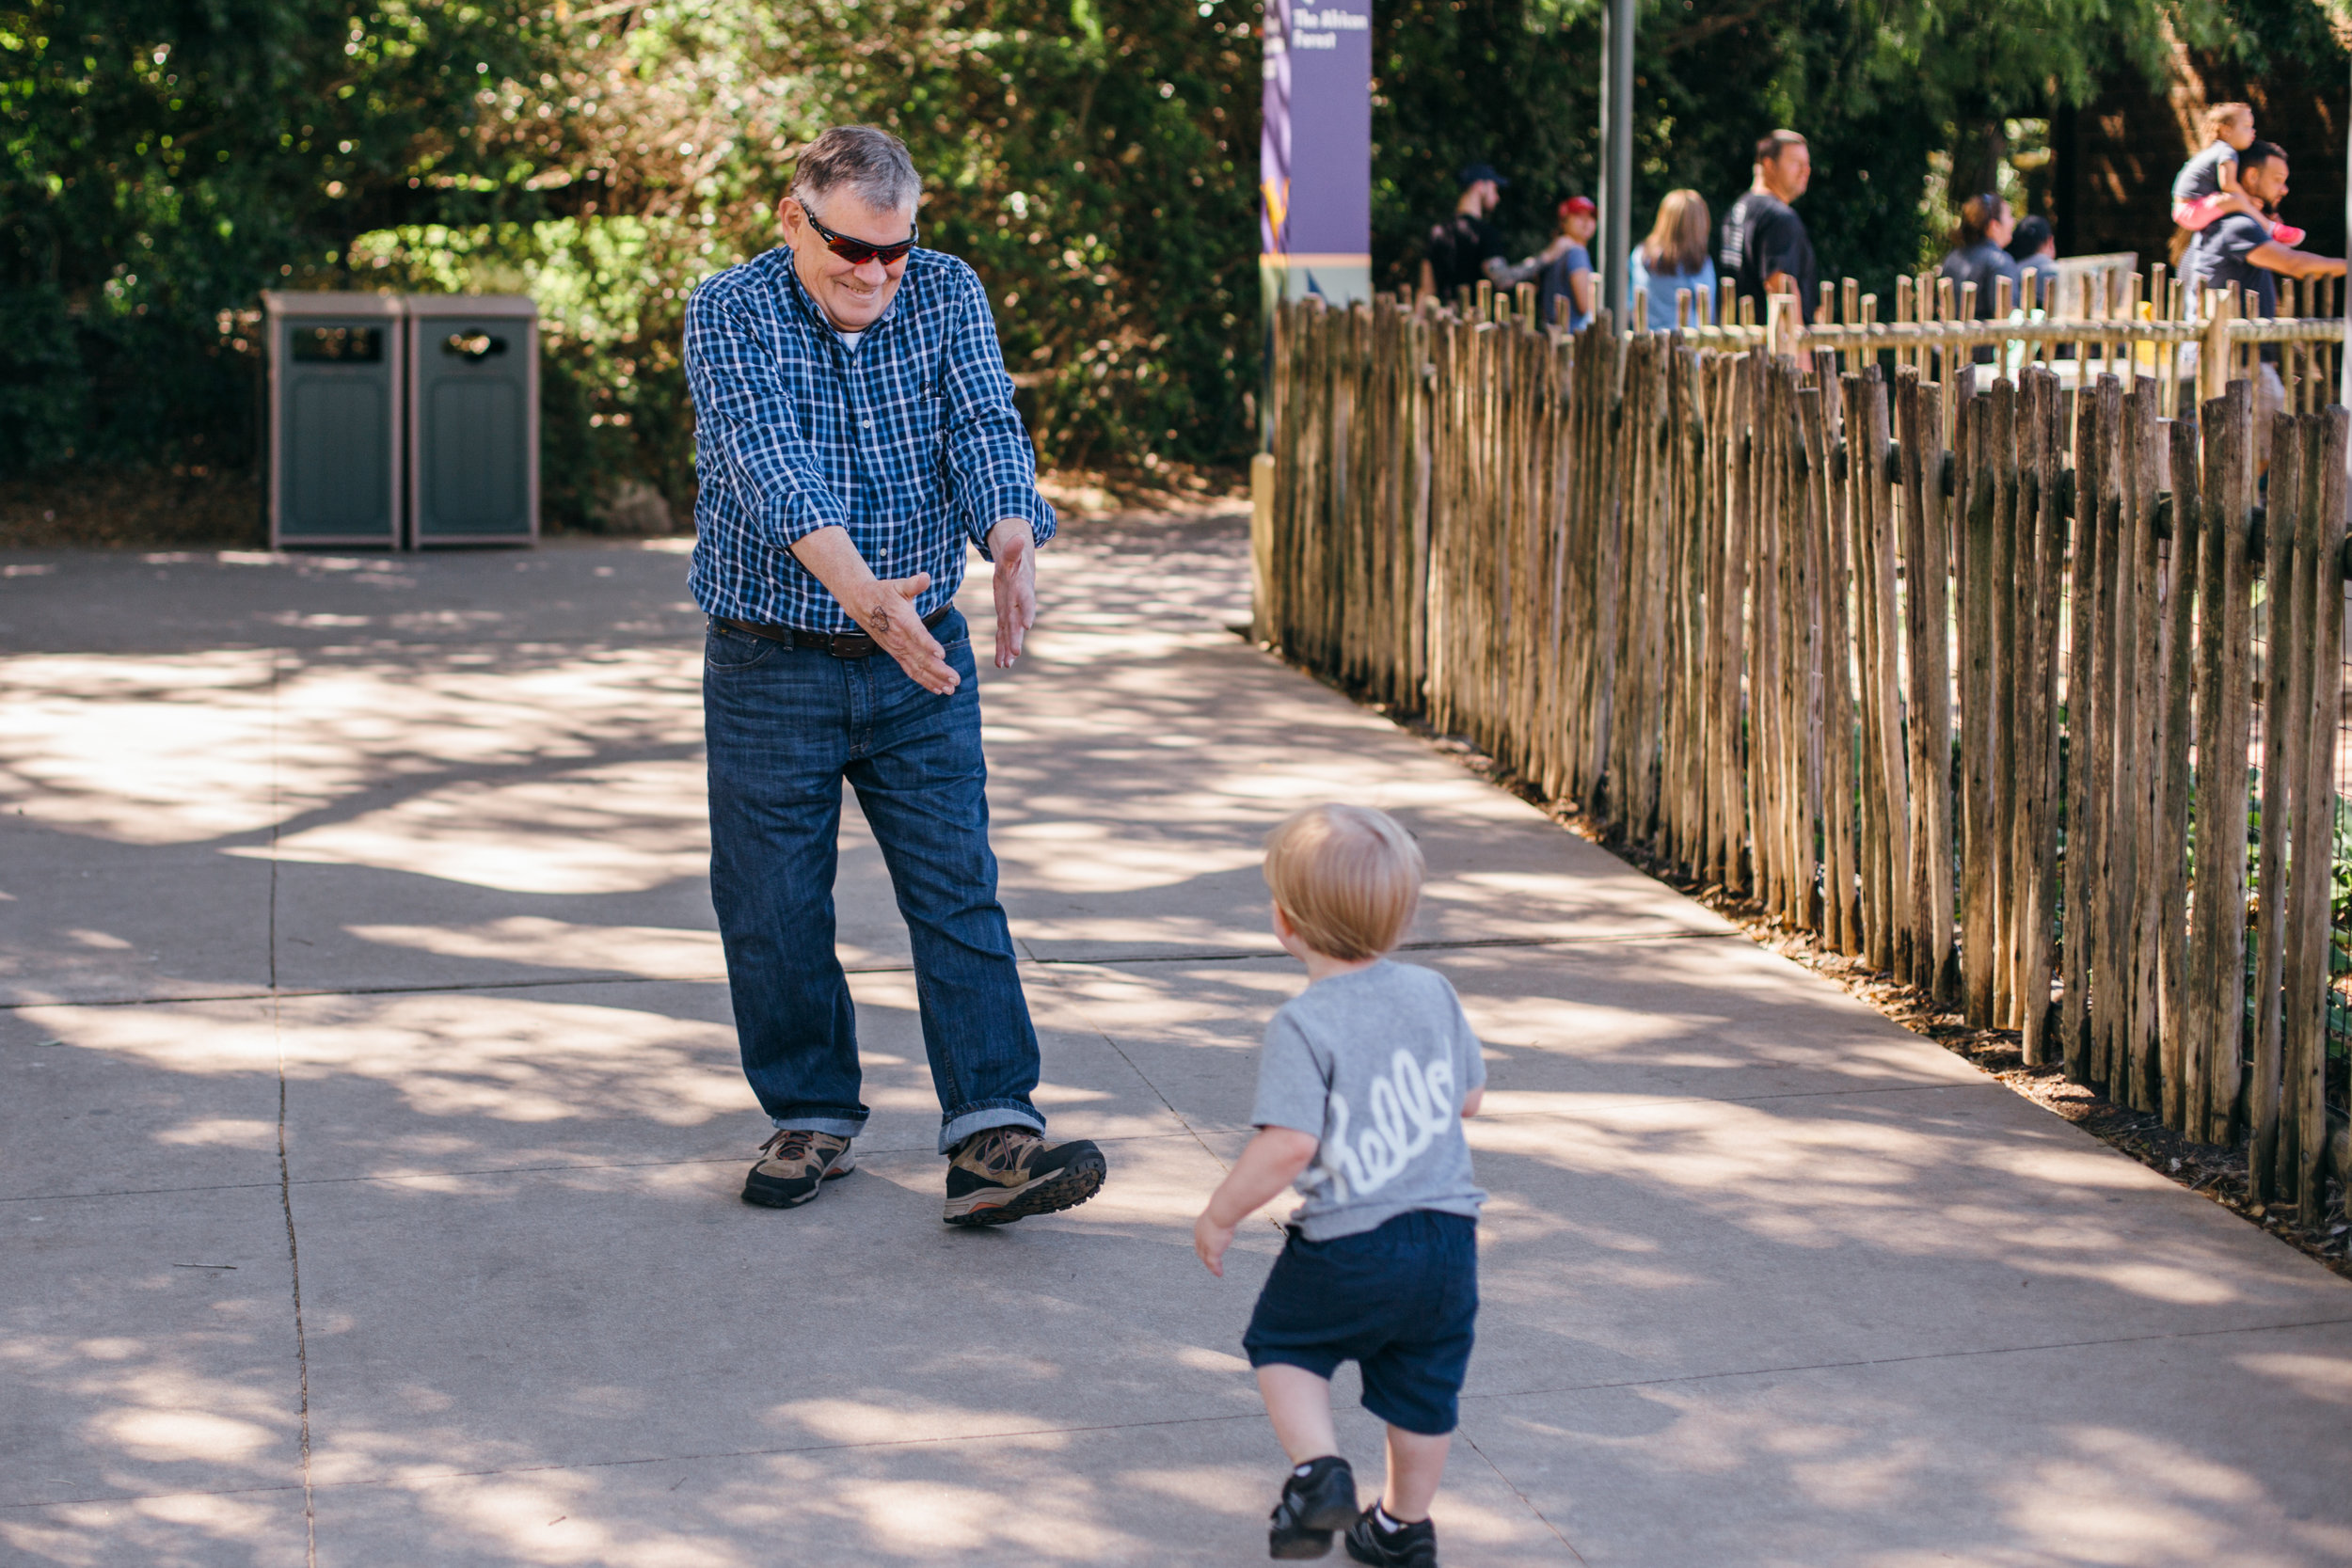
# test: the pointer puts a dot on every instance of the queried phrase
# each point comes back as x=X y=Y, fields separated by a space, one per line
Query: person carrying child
x=2207 y=186
x=1362 y=1085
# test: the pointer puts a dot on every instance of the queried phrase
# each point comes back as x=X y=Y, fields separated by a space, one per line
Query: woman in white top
x=1675 y=258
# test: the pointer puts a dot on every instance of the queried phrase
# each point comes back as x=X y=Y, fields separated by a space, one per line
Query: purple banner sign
x=1315 y=154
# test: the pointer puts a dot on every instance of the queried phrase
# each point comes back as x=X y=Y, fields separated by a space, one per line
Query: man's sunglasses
x=857 y=252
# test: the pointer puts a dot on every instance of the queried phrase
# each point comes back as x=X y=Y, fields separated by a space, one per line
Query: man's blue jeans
x=785 y=726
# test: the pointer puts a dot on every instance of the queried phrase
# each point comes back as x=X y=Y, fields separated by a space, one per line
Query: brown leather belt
x=841 y=645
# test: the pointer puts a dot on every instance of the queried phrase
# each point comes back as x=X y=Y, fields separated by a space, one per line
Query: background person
x=2034 y=248
x=2238 y=247
x=1468 y=246
x=1765 y=250
x=1981 y=255
x=1569 y=274
x=2207 y=186
x=1675 y=258
x=854 y=432
x=1986 y=226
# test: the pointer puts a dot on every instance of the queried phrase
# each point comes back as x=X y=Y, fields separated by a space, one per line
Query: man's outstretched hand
x=897 y=627
x=1013 y=548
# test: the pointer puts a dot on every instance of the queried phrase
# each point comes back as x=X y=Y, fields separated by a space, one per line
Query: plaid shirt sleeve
x=744 y=419
x=991 y=468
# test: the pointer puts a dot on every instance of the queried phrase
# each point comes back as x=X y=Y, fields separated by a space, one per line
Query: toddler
x=2206 y=187
x=1361 y=1088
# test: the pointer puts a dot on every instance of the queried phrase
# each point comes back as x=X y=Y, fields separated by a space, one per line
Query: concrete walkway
x=353 y=911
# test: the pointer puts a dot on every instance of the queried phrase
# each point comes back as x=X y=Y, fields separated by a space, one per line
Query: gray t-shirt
x=1374 y=1065
x=2223 y=255
x=2200 y=177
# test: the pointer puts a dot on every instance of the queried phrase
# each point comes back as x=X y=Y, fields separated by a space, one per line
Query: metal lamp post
x=1616 y=158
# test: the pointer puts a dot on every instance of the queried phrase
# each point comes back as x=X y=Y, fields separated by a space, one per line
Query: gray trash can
x=473 y=460
x=336 y=417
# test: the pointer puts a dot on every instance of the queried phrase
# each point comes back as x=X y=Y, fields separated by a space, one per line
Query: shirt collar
x=815 y=313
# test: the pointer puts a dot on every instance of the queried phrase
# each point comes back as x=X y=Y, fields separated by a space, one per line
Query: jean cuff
x=982 y=1115
x=840 y=1126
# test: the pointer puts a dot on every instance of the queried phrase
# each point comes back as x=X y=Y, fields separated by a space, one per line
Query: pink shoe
x=2286 y=233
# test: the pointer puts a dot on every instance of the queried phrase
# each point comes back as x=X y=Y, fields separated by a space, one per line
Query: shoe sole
x=768 y=1198
x=1063 y=1189
x=1293 y=1546
x=1335 y=1517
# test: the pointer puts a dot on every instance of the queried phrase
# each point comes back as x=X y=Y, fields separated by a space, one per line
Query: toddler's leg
x=2195 y=215
x=1300 y=1406
x=1416 y=1464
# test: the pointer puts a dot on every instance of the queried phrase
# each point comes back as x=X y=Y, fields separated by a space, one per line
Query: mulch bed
x=160 y=510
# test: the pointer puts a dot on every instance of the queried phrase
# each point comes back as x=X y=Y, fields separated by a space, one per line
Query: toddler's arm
x=1271 y=1163
x=1472 y=1100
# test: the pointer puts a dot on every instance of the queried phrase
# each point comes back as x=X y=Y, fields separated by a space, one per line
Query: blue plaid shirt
x=910 y=441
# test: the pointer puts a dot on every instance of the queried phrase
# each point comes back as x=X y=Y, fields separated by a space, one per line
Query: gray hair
x=871 y=162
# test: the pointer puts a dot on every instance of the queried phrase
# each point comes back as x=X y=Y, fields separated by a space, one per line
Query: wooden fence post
x=1928 y=663
x=2320 y=585
x=2282 y=738
x=2225 y=715
x=2183 y=577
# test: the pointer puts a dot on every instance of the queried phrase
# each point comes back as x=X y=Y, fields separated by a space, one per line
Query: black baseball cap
x=1476 y=172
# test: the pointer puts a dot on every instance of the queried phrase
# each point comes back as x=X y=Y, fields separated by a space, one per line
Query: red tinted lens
x=857 y=252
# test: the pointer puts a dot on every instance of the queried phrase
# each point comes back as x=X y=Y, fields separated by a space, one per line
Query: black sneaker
x=1413 y=1546
x=1003 y=1174
x=1318 y=1498
x=794 y=1165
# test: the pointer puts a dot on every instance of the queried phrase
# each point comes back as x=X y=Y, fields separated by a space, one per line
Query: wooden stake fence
x=1954 y=666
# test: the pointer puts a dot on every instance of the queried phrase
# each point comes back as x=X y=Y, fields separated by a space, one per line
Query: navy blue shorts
x=1400 y=1301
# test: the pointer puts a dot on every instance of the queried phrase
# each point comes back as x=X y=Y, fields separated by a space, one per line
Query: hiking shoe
x=1413 y=1547
x=793 y=1166
x=1318 y=1498
x=1003 y=1174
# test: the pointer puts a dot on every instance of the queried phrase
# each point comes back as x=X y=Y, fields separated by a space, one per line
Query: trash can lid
x=306 y=302
x=521 y=306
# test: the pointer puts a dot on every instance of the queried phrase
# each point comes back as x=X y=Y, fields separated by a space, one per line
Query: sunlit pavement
x=352 y=911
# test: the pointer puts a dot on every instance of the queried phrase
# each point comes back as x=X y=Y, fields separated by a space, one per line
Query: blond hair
x=1347 y=878
x=1678 y=241
x=2221 y=116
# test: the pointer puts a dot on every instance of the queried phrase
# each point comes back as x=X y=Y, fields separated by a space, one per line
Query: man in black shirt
x=1468 y=246
x=1765 y=248
x=2237 y=248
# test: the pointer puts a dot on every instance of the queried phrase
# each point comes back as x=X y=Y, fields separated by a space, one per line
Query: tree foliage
x=162 y=161
x=1092 y=158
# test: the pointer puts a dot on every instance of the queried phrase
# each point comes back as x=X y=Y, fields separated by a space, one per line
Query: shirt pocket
x=926 y=423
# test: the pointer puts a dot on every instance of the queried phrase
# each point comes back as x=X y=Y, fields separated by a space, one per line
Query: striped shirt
x=909 y=439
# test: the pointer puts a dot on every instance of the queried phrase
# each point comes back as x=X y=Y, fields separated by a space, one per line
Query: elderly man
x=854 y=430
x=2237 y=248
